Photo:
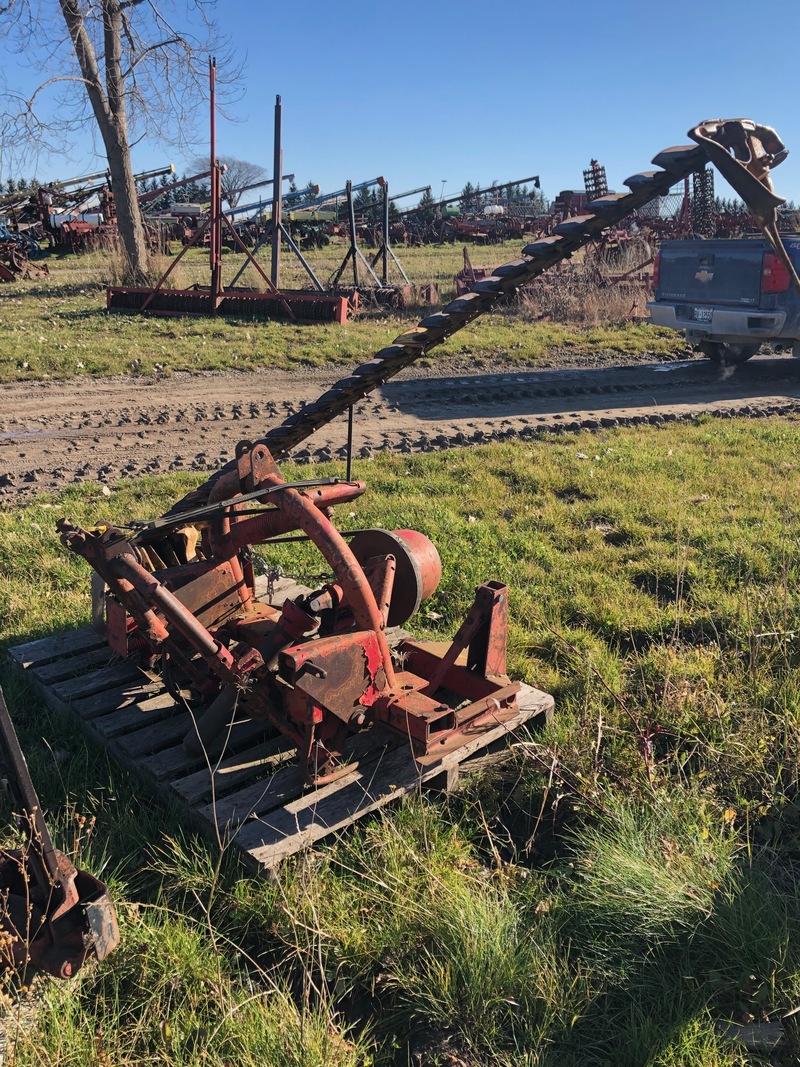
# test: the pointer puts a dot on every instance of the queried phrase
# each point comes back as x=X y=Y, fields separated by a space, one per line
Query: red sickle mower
x=321 y=666
x=181 y=589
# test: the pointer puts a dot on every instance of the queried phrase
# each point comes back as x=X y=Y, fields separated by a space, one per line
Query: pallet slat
x=113 y=699
x=78 y=663
x=252 y=792
x=96 y=681
x=263 y=796
x=134 y=716
x=47 y=649
x=230 y=772
x=268 y=840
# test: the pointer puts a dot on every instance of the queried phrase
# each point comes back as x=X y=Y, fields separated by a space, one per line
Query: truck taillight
x=775 y=277
x=656 y=269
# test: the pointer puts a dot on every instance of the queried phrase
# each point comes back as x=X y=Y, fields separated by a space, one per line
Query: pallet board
x=249 y=792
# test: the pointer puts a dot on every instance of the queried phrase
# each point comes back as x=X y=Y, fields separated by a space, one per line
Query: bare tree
x=237 y=176
x=123 y=63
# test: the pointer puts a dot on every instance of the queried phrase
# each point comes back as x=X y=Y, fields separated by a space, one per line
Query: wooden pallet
x=251 y=793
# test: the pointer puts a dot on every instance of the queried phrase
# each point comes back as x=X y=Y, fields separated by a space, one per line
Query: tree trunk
x=129 y=215
x=108 y=105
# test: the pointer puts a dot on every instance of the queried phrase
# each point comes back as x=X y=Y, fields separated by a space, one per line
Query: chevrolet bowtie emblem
x=704 y=275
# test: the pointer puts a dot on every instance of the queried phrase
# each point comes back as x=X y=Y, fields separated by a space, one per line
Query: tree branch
x=50 y=81
x=154 y=48
x=115 y=87
x=87 y=60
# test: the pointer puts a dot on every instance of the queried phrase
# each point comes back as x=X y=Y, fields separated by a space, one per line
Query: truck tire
x=720 y=352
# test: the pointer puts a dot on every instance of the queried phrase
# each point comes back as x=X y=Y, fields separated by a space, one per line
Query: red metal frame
x=217 y=300
x=321 y=666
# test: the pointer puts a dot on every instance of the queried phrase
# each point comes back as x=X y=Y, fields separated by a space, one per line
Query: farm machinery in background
x=485 y=216
x=18 y=255
x=178 y=593
x=271 y=301
x=75 y=215
x=622 y=254
x=218 y=229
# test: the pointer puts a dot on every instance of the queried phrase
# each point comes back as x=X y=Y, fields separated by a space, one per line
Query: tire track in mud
x=54 y=434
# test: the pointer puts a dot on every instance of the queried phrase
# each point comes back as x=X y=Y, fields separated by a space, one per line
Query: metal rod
x=304 y=262
x=237 y=239
x=399 y=266
x=333 y=198
x=286 y=198
x=215 y=246
x=351 y=216
x=478 y=195
x=193 y=240
x=354 y=251
x=294 y=538
x=349 y=443
x=267 y=236
x=156 y=194
x=385 y=250
x=45 y=867
x=258 y=185
x=277 y=198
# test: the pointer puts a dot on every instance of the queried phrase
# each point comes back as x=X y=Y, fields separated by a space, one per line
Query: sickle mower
x=321 y=666
x=180 y=590
x=181 y=594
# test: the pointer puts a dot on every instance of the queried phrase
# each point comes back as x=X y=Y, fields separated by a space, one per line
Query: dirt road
x=56 y=433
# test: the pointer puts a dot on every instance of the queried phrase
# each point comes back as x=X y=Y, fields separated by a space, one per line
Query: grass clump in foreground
x=607 y=894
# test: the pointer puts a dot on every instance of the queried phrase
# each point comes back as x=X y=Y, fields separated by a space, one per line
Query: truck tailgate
x=711 y=272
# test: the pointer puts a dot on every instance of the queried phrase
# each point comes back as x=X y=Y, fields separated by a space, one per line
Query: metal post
x=349 y=443
x=351 y=216
x=385 y=233
x=215 y=235
x=385 y=251
x=277 y=198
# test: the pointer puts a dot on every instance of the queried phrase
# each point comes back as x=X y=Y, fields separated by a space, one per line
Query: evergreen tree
x=427 y=207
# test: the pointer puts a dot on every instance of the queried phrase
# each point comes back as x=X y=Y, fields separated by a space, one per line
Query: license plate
x=702 y=314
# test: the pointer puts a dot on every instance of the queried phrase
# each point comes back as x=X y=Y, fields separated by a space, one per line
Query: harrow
x=180 y=592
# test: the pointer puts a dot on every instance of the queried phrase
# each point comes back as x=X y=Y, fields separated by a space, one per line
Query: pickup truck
x=728 y=296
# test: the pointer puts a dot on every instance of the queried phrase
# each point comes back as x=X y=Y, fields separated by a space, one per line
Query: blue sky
x=455 y=91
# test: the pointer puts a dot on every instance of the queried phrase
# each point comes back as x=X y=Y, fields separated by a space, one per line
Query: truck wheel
x=719 y=352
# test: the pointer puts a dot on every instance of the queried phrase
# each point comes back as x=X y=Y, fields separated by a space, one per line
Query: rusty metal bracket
x=52 y=914
x=745 y=153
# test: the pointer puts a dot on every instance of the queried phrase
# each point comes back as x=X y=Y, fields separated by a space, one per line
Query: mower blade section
x=434 y=329
x=101 y=919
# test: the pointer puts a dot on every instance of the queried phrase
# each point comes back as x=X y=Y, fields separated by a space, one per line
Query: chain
x=274 y=571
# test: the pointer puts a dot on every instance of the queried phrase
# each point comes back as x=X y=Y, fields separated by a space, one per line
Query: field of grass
x=622 y=883
x=58 y=327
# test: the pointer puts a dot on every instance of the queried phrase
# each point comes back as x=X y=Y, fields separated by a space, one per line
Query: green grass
x=58 y=327
x=616 y=886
